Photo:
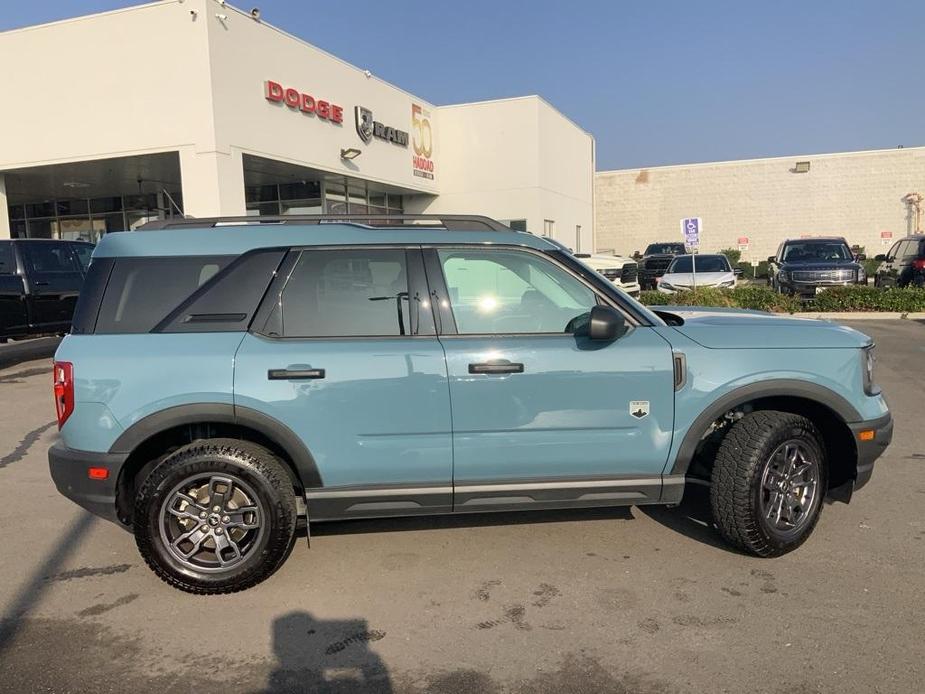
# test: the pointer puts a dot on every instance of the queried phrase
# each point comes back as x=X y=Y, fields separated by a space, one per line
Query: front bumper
x=69 y=471
x=869 y=451
x=809 y=289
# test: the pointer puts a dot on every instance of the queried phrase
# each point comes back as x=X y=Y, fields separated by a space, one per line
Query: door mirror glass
x=606 y=324
x=880 y=257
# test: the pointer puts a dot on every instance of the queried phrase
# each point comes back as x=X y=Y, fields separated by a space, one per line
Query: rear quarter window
x=142 y=291
x=7 y=261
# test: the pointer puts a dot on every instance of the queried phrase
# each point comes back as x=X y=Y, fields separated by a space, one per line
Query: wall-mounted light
x=801 y=167
x=350 y=153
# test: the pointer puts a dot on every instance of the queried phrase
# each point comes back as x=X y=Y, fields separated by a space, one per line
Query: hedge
x=836 y=299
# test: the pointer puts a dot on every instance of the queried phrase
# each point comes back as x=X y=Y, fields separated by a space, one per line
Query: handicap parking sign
x=690 y=230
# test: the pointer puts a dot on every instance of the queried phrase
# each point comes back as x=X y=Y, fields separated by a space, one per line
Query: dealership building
x=193 y=107
x=871 y=198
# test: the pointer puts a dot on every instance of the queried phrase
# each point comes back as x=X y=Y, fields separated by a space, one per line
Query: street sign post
x=690 y=230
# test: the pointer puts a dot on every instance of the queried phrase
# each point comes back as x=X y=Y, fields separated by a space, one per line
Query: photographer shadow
x=325 y=657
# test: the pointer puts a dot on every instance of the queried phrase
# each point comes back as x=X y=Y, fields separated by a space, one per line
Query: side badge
x=639 y=408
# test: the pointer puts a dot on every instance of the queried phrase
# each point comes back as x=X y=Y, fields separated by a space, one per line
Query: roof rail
x=454 y=222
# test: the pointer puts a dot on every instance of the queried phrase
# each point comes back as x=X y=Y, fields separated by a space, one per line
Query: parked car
x=39 y=283
x=903 y=265
x=623 y=272
x=655 y=261
x=688 y=271
x=223 y=384
x=805 y=267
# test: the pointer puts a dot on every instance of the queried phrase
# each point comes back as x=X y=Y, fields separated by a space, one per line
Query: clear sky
x=655 y=81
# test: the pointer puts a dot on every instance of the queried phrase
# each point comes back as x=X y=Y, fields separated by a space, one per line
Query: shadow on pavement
x=325 y=656
x=468 y=520
x=692 y=518
x=14 y=353
x=30 y=595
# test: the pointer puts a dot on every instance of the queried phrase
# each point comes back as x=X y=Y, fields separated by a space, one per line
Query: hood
x=729 y=328
x=704 y=279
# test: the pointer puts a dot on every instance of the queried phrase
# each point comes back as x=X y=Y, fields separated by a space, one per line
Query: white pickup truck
x=623 y=272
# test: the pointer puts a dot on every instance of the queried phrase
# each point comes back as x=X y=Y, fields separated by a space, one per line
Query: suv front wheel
x=768 y=482
x=216 y=516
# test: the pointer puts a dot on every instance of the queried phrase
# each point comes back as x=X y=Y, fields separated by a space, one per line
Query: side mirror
x=860 y=256
x=880 y=257
x=637 y=255
x=737 y=271
x=771 y=258
x=606 y=323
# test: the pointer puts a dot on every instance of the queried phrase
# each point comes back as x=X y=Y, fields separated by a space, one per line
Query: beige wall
x=856 y=195
x=123 y=82
x=516 y=159
x=244 y=54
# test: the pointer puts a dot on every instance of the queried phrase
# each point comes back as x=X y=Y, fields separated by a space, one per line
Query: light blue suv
x=226 y=380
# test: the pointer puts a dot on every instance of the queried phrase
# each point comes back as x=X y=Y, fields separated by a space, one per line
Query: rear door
x=12 y=293
x=53 y=277
x=542 y=417
x=344 y=353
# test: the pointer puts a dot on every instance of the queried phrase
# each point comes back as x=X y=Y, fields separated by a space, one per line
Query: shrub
x=750 y=272
x=835 y=300
x=734 y=255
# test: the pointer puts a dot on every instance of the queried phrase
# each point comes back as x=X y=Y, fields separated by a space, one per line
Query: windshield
x=814 y=251
x=705 y=263
x=663 y=248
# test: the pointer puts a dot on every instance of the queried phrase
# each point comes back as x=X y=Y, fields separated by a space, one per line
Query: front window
x=664 y=249
x=705 y=263
x=816 y=251
x=505 y=292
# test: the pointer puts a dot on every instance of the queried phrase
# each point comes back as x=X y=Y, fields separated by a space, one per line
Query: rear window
x=663 y=248
x=143 y=291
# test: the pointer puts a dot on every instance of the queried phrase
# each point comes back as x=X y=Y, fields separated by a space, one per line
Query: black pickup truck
x=655 y=261
x=39 y=283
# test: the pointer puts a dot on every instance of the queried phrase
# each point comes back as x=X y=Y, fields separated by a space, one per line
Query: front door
x=348 y=360
x=12 y=294
x=54 y=277
x=542 y=417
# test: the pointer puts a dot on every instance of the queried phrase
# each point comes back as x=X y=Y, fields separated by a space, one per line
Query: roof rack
x=453 y=222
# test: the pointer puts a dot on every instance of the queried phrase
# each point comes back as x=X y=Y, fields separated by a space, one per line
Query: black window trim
x=417 y=286
x=440 y=297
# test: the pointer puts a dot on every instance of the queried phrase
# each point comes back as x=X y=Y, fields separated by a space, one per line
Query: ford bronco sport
x=223 y=383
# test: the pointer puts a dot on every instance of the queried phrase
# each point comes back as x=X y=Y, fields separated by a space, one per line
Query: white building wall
x=856 y=195
x=124 y=82
x=516 y=159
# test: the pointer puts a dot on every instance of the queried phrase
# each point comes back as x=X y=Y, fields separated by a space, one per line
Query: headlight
x=868 y=360
x=666 y=285
x=728 y=283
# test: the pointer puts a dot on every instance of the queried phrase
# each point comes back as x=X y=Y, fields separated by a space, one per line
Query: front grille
x=844 y=275
x=630 y=273
x=612 y=273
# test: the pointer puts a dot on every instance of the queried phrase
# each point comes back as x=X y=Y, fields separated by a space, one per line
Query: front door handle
x=496 y=366
x=294 y=374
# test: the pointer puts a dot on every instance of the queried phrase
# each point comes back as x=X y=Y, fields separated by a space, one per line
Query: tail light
x=919 y=264
x=64 y=390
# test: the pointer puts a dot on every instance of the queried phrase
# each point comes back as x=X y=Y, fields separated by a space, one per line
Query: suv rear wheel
x=768 y=482
x=216 y=516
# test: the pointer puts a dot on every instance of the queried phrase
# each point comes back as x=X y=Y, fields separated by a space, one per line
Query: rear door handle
x=294 y=374
x=499 y=366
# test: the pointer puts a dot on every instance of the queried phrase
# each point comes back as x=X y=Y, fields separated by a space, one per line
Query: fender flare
x=783 y=387
x=223 y=413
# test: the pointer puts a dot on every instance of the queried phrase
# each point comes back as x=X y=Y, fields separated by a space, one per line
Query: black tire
x=748 y=465
x=259 y=550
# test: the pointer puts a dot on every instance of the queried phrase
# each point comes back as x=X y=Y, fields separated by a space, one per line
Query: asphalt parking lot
x=625 y=600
